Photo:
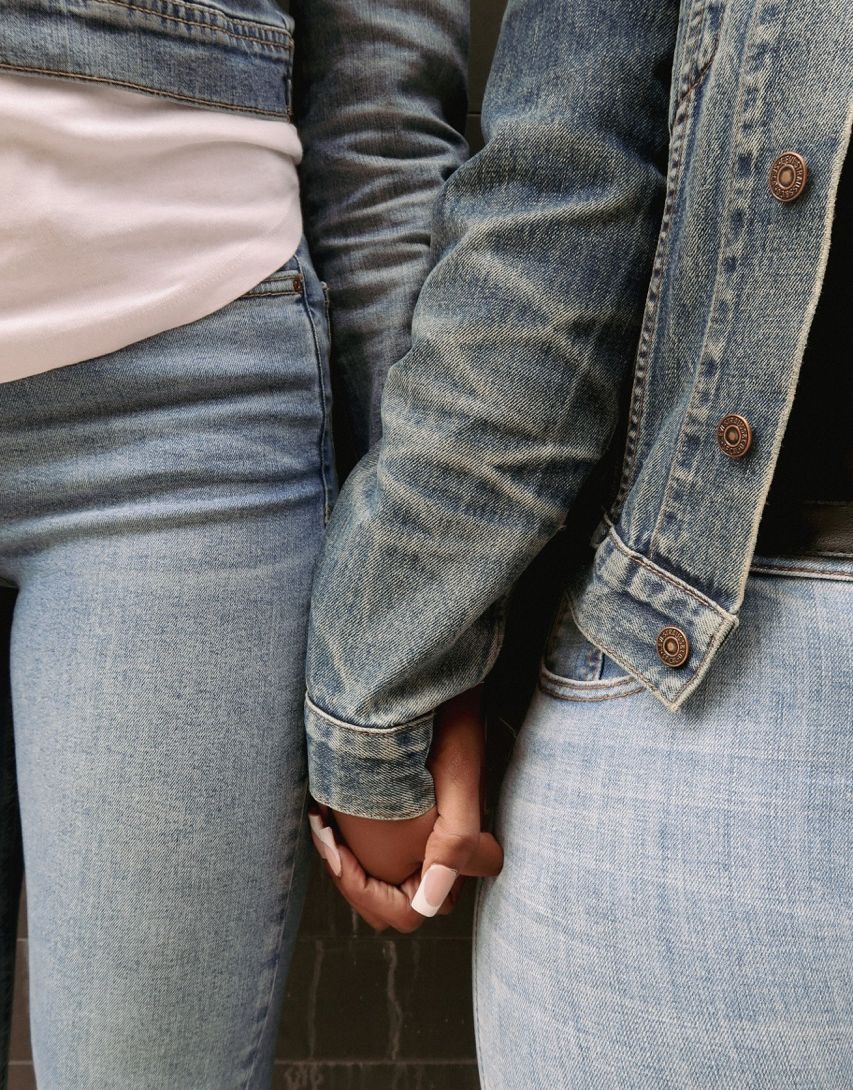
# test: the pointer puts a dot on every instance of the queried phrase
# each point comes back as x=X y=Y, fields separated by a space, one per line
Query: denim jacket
x=619 y=223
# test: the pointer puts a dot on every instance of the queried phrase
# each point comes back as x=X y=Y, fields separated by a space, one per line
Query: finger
x=321 y=845
x=325 y=843
x=371 y=896
x=456 y=761
x=410 y=888
x=487 y=858
x=456 y=768
x=370 y=918
x=452 y=899
x=439 y=878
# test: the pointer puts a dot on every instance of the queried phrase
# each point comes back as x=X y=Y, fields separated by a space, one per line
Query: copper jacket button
x=673 y=646
x=788 y=176
x=734 y=435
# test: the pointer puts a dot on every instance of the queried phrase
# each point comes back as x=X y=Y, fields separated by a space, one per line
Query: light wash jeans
x=675 y=910
x=161 y=508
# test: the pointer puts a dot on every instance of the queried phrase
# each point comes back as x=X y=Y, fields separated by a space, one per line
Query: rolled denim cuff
x=371 y=772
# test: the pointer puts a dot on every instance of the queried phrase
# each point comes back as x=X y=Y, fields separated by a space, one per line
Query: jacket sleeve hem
x=371 y=772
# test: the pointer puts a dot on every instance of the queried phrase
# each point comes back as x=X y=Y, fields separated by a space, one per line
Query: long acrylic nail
x=434 y=888
x=316 y=823
x=333 y=857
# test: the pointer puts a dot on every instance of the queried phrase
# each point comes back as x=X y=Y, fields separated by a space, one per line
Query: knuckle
x=464 y=842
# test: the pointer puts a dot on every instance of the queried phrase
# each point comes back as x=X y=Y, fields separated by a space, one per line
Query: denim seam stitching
x=421 y=720
x=574 y=698
x=580 y=683
x=210 y=24
x=139 y=87
x=649 y=325
x=256 y=293
x=282 y=925
x=652 y=315
x=651 y=685
x=694 y=40
x=782 y=569
x=325 y=469
x=710 y=650
x=735 y=195
x=688 y=53
x=674 y=580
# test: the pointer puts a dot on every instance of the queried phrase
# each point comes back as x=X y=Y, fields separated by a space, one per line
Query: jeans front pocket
x=573 y=668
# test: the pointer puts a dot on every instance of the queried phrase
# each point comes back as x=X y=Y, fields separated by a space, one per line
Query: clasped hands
x=397 y=873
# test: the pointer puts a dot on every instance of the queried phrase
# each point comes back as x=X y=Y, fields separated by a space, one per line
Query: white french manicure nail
x=333 y=858
x=316 y=823
x=434 y=888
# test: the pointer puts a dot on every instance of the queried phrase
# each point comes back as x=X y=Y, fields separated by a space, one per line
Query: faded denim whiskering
x=380 y=102
x=675 y=910
x=618 y=219
x=161 y=509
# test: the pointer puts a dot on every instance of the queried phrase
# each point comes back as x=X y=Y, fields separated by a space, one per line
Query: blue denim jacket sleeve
x=507 y=397
x=380 y=101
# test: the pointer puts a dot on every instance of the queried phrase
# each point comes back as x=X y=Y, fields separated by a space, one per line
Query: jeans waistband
x=196 y=53
x=804 y=567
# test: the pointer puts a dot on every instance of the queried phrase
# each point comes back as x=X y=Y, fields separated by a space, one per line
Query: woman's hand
x=390 y=850
x=395 y=873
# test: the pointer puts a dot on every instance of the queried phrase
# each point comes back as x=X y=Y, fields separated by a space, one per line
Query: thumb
x=449 y=854
x=456 y=844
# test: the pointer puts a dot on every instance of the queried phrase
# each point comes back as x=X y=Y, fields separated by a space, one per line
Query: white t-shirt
x=124 y=214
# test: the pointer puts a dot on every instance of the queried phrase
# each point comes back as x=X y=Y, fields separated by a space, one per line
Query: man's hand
x=399 y=872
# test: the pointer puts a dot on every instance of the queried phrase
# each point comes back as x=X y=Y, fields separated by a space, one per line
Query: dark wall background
x=365 y=1012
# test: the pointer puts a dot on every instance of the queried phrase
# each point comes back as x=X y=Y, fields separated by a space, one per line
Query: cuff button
x=734 y=435
x=788 y=176
x=673 y=646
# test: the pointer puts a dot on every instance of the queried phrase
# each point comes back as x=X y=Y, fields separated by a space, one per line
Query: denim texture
x=368 y=186
x=380 y=99
x=618 y=222
x=674 y=911
x=161 y=510
x=232 y=56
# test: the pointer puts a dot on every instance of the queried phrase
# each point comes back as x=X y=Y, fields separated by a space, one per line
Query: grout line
x=462 y=1062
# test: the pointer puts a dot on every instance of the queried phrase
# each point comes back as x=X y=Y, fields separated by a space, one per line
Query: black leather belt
x=809 y=528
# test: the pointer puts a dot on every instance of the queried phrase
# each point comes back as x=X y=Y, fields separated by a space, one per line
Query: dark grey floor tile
x=19 y=1046
x=365 y=999
x=383 y=1076
x=434 y=996
x=21 y=1077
